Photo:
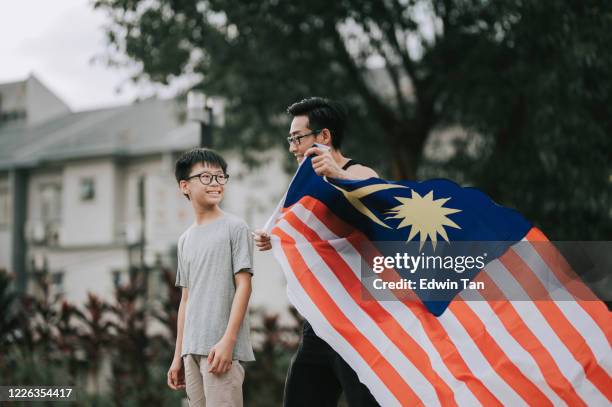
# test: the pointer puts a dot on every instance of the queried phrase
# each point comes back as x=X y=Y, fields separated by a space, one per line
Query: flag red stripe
x=385 y=321
x=572 y=339
x=513 y=376
x=557 y=264
x=515 y=325
x=377 y=362
x=496 y=357
x=432 y=327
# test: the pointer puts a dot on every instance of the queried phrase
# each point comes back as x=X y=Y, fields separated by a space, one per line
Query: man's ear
x=327 y=137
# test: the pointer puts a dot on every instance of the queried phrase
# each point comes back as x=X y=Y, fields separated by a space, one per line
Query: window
x=5 y=199
x=11 y=115
x=51 y=202
x=117 y=280
x=88 y=189
x=57 y=282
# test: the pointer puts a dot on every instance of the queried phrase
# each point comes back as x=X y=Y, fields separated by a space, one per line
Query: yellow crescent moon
x=355 y=195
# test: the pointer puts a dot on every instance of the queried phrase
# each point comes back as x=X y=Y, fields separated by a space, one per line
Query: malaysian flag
x=519 y=342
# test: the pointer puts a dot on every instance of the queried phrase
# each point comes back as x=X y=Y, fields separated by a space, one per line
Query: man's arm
x=176 y=373
x=220 y=356
x=324 y=165
x=359 y=171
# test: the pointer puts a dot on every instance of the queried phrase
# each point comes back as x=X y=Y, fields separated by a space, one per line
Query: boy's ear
x=184 y=186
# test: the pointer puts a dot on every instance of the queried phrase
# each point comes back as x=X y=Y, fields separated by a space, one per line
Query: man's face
x=204 y=195
x=299 y=126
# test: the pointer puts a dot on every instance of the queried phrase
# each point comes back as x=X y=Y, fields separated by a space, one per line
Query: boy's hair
x=322 y=114
x=198 y=155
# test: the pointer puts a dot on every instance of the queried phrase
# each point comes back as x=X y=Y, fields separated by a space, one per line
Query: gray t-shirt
x=208 y=257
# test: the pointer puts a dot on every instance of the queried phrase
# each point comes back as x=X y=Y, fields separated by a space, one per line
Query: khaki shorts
x=212 y=390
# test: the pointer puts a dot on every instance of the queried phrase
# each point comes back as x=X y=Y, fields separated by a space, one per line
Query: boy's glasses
x=297 y=138
x=206 y=178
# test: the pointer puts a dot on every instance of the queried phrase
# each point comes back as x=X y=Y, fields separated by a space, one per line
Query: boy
x=214 y=269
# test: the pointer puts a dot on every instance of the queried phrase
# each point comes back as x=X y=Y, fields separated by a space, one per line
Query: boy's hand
x=176 y=375
x=220 y=356
x=262 y=240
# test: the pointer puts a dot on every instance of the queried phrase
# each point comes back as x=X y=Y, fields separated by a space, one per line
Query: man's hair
x=187 y=160
x=322 y=114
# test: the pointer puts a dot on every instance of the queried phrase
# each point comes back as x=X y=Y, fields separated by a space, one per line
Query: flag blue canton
x=434 y=213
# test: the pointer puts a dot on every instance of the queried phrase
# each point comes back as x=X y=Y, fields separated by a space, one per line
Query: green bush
x=106 y=351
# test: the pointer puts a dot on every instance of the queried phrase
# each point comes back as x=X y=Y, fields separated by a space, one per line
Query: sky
x=62 y=42
x=59 y=41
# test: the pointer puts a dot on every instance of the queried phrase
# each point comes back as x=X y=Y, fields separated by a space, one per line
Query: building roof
x=148 y=126
x=29 y=101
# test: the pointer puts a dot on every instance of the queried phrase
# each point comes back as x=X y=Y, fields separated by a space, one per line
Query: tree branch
x=383 y=112
x=389 y=30
x=391 y=70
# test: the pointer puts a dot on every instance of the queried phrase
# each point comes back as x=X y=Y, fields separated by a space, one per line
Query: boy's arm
x=220 y=356
x=176 y=373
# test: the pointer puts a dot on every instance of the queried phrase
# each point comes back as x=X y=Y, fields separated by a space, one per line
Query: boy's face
x=199 y=193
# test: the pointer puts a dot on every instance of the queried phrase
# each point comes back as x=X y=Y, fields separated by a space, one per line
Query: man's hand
x=262 y=240
x=176 y=374
x=220 y=356
x=324 y=164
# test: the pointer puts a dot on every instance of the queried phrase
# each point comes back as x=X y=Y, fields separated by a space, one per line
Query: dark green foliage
x=9 y=318
x=109 y=351
x=529 y=80
x=265 y=378
x=543 y=115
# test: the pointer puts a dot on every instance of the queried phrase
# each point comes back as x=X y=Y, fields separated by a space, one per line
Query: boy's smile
x=215 y=193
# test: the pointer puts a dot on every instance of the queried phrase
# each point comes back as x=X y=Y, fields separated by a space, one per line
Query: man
x=318 y=375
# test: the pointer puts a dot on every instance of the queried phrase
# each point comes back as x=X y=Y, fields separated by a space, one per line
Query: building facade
x=91 y=196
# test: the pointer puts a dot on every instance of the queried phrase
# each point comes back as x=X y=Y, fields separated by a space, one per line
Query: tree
x=541 y=104
x=530 y=79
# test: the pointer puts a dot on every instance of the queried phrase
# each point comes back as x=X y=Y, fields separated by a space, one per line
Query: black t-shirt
x=349 y=163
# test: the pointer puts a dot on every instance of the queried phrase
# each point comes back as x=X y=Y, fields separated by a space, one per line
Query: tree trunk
x=406 y=142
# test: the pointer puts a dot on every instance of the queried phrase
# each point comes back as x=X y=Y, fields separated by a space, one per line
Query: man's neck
x=338 y=157
x=206 y=214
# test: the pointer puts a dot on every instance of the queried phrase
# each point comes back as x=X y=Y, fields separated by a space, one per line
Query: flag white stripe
x=414 y=328
x=362 y=321
x=535 y=321
x=323 y=329
x=479 y=366
x=574 y=313
x=514 y=351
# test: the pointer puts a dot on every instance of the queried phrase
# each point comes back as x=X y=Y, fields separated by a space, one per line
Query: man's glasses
x=297 y=138
x=206 y=178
